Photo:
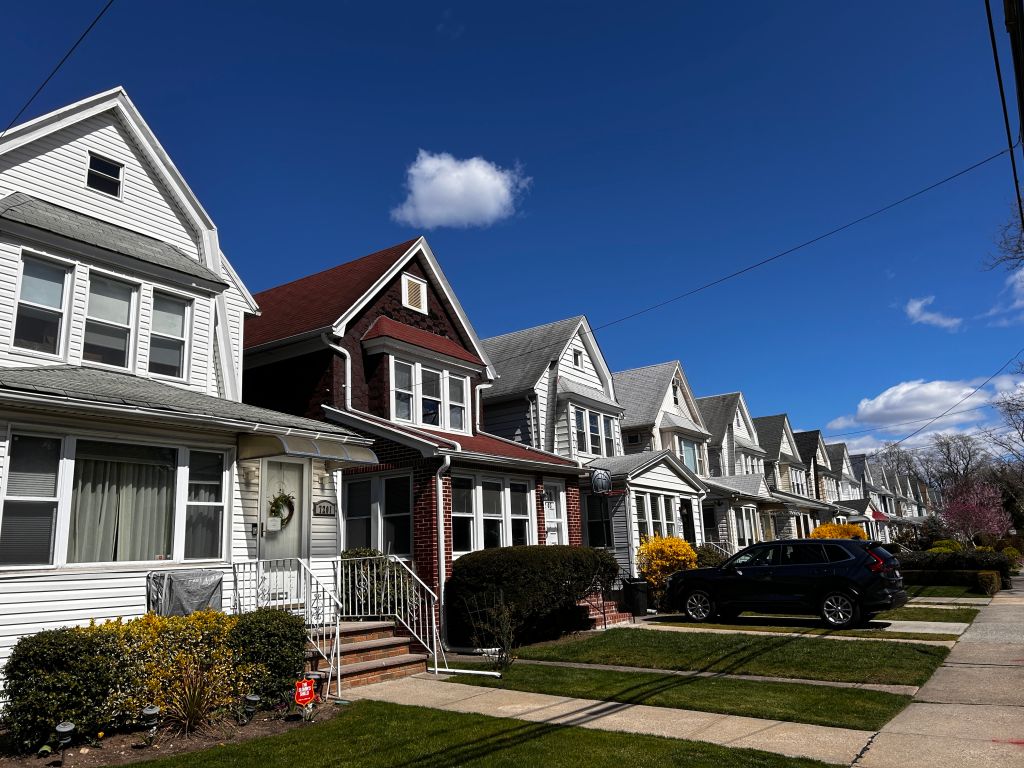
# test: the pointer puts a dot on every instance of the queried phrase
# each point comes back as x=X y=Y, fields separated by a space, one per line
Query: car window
x=882 y=552
x=836 y=553
x=802 y=554
x=756 y=556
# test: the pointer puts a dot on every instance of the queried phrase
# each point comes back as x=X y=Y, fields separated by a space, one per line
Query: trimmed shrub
x=951 y=544
x=984 y=549
x=966 y=560
x=274 y=641
x=538 y=585
x=1012 y=554
x=661 y=556
x=989 y=582
x=709 y=557
x=940 y=578
x=56 y=675
x=940 y=550
x=838 y=531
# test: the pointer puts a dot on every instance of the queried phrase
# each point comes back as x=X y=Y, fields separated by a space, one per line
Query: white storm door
x=554 y=513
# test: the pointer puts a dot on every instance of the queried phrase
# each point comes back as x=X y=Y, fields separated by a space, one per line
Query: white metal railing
x=384 y=587
x=725 y=548
x=290 y=585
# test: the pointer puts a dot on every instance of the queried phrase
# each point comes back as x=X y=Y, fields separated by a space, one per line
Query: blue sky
x=627 y=154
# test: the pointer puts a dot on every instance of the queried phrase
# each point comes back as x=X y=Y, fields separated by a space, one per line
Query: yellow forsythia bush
x=661 y=556
x=838 y=531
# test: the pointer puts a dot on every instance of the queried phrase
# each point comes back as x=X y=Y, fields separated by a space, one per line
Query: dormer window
x=414 y=293
x=104 y=175
x=577 y=358
x=429 y=397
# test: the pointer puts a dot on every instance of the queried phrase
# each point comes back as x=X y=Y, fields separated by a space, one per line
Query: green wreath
x=283 y=506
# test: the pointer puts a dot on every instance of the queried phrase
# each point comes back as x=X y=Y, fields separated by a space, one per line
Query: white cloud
x=917 y=313
x=1007 y=310
x=447 y=192
x=843 y=422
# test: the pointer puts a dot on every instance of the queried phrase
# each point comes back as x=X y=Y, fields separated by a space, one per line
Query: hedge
x=540 y=585
x=967 y=560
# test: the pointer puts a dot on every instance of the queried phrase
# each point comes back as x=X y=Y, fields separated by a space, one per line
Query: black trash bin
x=634 y=595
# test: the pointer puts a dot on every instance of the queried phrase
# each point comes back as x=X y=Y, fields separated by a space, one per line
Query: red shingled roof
x=493 y=446
x=315 y=302
x=392 y=329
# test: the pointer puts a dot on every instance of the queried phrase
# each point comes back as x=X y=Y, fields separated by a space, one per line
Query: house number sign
x=325 y=509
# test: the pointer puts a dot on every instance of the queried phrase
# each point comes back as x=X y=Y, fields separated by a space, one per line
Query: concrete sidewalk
x=970 y=714
x=831 y=745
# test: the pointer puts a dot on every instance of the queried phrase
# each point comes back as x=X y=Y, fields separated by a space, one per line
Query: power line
x=887 y=427
x=1006 y=114
x=59 y=65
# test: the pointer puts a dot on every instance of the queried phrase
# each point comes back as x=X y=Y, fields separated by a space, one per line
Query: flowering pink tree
x=973 y=508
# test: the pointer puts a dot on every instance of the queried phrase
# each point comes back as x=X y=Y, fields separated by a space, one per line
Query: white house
x=124 y=447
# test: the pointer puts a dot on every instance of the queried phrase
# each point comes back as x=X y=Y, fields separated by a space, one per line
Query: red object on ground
x=304 y=692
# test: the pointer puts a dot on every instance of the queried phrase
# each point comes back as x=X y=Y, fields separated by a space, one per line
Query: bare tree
x=953 y=458
x=1009 y=245
x=897 y=460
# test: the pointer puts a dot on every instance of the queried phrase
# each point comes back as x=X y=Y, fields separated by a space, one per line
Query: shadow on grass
x=810 y=625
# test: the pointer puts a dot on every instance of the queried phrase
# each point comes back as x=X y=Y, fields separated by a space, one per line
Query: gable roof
x=642 y=391
x=635 y=464
x=751 y=486
x=19 y=208
x=836 y=454
x=717 y=412
x=385 y=327
x=807 y=443
x=521 y=357
x=322 y=297
x=770 y=431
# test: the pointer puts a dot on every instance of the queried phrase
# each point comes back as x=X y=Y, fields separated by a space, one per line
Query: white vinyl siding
x=586 y=373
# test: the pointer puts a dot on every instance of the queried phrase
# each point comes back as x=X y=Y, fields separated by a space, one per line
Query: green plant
x=661 y=556
x=55 y=675
x=940 y=550
x=989 y=582
x=709 y=556
x=274 y=641
x=540 y=584
x=951 y=544
x=965 y=560
x=984 y=549
x=1012 y=553
x=192 y=699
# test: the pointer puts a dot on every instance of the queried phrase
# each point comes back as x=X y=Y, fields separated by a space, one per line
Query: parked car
x=845 y=581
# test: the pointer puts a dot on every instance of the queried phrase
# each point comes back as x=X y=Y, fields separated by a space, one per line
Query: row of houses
x=156 y=416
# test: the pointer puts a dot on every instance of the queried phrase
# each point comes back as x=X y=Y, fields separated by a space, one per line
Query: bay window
x=167 y=335
x=122 y=505
x=39 y=324
x=109 y=322
x=489 y=512
x=429 y=397
x=595 y=432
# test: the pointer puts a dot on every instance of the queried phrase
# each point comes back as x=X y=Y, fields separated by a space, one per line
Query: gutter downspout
x=478 y=421
x=348 y=368
x=442 y=565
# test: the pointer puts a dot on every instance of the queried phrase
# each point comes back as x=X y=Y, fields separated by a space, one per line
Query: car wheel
x=698 y=605
x=839 y=611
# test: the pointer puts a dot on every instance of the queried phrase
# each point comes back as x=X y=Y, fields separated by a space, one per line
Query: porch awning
x=858 y=519
x=880 y=516
x=336 y=452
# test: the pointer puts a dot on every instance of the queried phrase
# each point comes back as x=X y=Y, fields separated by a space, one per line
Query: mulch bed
x=126 y=748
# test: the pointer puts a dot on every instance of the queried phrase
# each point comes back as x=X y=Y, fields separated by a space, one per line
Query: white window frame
x=506 y=517
x=444 y=416
x=602 y=436
x=406 y=280
x=577 y=358
x=65 y=315
x=133 y=320
x=65 y=486
x=120 y=181
x=661 y=510
x=377 y=502
x=185 y=339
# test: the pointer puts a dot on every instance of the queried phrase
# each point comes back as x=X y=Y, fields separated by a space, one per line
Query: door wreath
x=282 y=506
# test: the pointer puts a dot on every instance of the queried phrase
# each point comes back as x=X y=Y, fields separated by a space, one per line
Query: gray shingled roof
x=624 y=465
x=717 y=412
x=521 y=357
x=835 y=455
x=770 y=430
x=680 y=422
x=793 y=461
x=122 y=389
x=747 y=485
x=30 y=211
x=569 y=387
x=641 y=391
x=807 y=444
x=858 y=505
x=859 y=462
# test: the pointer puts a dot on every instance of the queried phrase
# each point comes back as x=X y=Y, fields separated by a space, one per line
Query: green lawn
x=942 y=591
x=924 y=613
x=796 y=702
x=807 y=628
x=854 y=661
x=375 y=735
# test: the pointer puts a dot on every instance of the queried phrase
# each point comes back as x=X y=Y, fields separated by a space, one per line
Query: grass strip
x=373 y=734
x=866 y=634
x=924 y=613
x=864 y=661
x=793 y=702
x=916 y=590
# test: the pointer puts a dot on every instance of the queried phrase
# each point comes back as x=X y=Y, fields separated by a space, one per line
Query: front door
x=283 y=526
x=554 y=513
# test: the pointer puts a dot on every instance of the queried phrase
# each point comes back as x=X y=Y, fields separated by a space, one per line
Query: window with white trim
x=429 y=396
x=104 y=175
x=168 y=332
x=577 y=358
x=122 y=506
x=675 y=393
x=39 y=325
x=656 y=514
x=414 y=293
x=692 y=455
x=595 y=432
x=110 y=319
x=491 y=511
x=378 y=514
x=642 y=522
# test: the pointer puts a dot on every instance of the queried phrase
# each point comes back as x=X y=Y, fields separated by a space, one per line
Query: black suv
x=845 y=581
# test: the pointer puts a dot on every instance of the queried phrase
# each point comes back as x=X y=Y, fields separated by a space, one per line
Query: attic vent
x=414 y=293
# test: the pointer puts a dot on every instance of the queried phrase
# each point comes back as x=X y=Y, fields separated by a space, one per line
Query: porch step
x=372 y=650
x=379 y=670
x=602 y=612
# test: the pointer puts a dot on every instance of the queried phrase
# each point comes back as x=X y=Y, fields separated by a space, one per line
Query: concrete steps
x=604 y=612
x=370 y=651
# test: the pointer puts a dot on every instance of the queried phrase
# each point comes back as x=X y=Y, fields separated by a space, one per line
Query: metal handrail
x=383 y=586
x=289 y=584
x=720 y=547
